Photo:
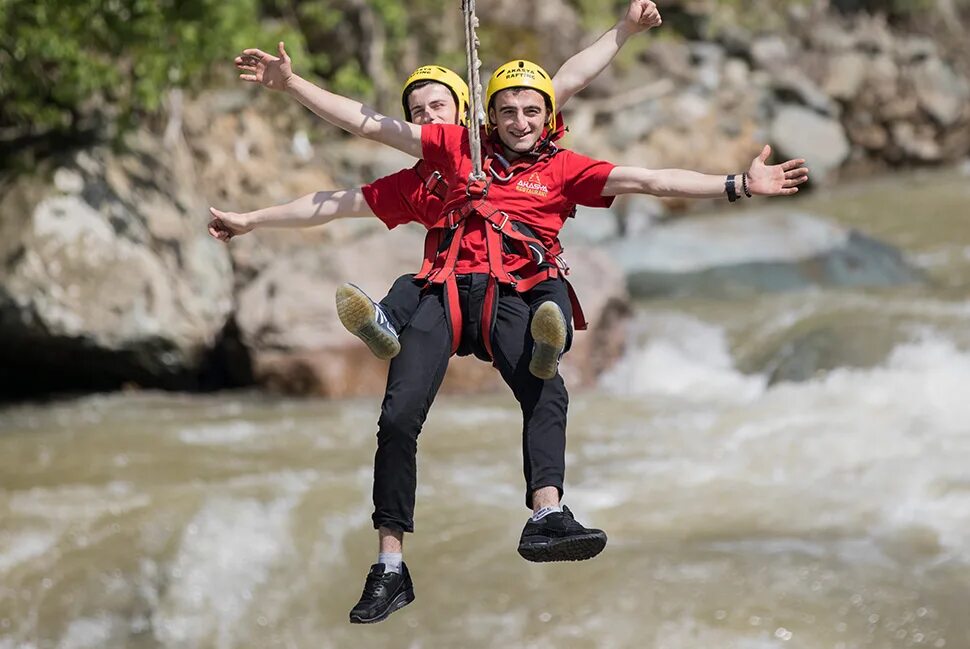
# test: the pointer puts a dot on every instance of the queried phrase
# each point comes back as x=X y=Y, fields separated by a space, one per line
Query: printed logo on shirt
x=533 y=185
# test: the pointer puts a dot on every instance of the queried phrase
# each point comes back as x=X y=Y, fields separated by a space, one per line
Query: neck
x=511 y=155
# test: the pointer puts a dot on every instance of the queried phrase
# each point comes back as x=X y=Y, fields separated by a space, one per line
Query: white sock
x=391 y=560
x=545 y=511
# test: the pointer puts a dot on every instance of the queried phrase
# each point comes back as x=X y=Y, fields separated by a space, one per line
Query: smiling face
x=519 y=115
x=432 y=103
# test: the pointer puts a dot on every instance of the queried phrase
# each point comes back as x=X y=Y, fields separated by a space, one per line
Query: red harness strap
x=433 y=181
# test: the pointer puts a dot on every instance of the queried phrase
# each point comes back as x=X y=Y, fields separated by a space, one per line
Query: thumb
x=282 y=51
x=765 y=154
x=214 y=212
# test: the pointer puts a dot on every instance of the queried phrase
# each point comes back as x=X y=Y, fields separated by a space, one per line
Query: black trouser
x=402 y=299
x=416 y=374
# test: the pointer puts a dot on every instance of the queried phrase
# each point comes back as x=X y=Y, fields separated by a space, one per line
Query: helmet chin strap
x=477 y=114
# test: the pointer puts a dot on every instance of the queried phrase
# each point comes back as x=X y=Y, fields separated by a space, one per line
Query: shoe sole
x=576 y=548
x=356 y=313
x=403 y=599
x=549 y=332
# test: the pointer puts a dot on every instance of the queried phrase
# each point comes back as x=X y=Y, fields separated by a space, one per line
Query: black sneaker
x=549 y=333
x=365 y=319
x=384 y=593
x=558 y=537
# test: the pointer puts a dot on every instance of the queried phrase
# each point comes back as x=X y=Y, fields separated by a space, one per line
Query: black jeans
x=416 y=374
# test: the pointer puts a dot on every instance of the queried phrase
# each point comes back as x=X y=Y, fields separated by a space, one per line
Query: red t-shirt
x=541 y=195
x=402 y=198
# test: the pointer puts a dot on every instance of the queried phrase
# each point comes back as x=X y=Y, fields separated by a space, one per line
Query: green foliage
x=87 y=62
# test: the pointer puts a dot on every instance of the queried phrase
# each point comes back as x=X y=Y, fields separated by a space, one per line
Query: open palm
x=258 y=66
x=776 y=180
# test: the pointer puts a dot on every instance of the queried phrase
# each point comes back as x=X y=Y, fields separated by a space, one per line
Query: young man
x=388 y=585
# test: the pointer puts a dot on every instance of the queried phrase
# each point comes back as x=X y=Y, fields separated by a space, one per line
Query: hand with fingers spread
x=776 y=180
x=257 y=66
x=226 y=225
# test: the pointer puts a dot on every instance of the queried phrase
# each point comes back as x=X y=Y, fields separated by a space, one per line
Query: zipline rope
x=477 y=114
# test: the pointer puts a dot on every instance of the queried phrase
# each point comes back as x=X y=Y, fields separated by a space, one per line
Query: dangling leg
x=552 y=534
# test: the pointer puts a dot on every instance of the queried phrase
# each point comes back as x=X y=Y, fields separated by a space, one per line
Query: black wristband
x=744 y=184
x=732 y=192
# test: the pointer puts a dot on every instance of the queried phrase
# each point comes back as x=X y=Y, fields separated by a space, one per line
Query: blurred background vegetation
x=91 y=68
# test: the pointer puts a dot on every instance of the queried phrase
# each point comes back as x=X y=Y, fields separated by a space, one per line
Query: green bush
x=86 y=63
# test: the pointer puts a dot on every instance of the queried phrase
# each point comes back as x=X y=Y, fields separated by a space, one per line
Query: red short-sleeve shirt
x=403 y=197
x=541 y=196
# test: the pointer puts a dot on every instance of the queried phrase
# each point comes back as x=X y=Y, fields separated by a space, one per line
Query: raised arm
x=276 y=73
x=762 y=180
x=313 y=209
x=581 y=68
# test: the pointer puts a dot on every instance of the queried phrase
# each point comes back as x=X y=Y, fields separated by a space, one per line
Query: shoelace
x=374 y=582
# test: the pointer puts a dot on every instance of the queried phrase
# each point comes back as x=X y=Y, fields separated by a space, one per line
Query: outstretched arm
x=763 y=180
x=276 y=73
x=304 y=212
x=580 y=69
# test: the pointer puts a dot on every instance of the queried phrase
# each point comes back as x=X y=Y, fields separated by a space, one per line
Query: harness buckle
x=502 y=224
x=478 y=188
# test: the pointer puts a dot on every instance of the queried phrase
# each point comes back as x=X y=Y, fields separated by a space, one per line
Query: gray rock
x=754 y=252
x=917 y=143
x=799 y=132
x=792 y=85
x=771 y=52
x=846 y=74
x=824 y=343
x=942 y=93
x=116 y=282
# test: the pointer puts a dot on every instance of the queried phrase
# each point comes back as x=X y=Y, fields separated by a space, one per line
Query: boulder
x=109 y=276
x=825 y=342
x=799 y=132
x=723 y=256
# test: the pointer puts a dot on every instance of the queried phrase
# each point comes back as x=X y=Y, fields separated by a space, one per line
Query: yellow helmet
x=522 y=74
x=447 y=78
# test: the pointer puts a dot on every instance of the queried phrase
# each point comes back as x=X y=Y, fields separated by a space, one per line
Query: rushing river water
x=831 y=513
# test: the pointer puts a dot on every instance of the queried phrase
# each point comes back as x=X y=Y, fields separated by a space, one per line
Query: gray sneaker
x=365 y=319
x=549 y=332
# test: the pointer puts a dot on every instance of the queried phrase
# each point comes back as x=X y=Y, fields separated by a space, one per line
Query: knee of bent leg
x=400 y=423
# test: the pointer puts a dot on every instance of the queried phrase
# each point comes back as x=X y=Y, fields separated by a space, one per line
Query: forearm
x=581 y=68
x=666 y=182
x=354 y=117
x=313 y=209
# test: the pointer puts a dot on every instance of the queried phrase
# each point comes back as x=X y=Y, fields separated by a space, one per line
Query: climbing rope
x=477 y=113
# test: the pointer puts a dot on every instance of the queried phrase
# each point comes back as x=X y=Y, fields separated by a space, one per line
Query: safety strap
x=433 y=181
